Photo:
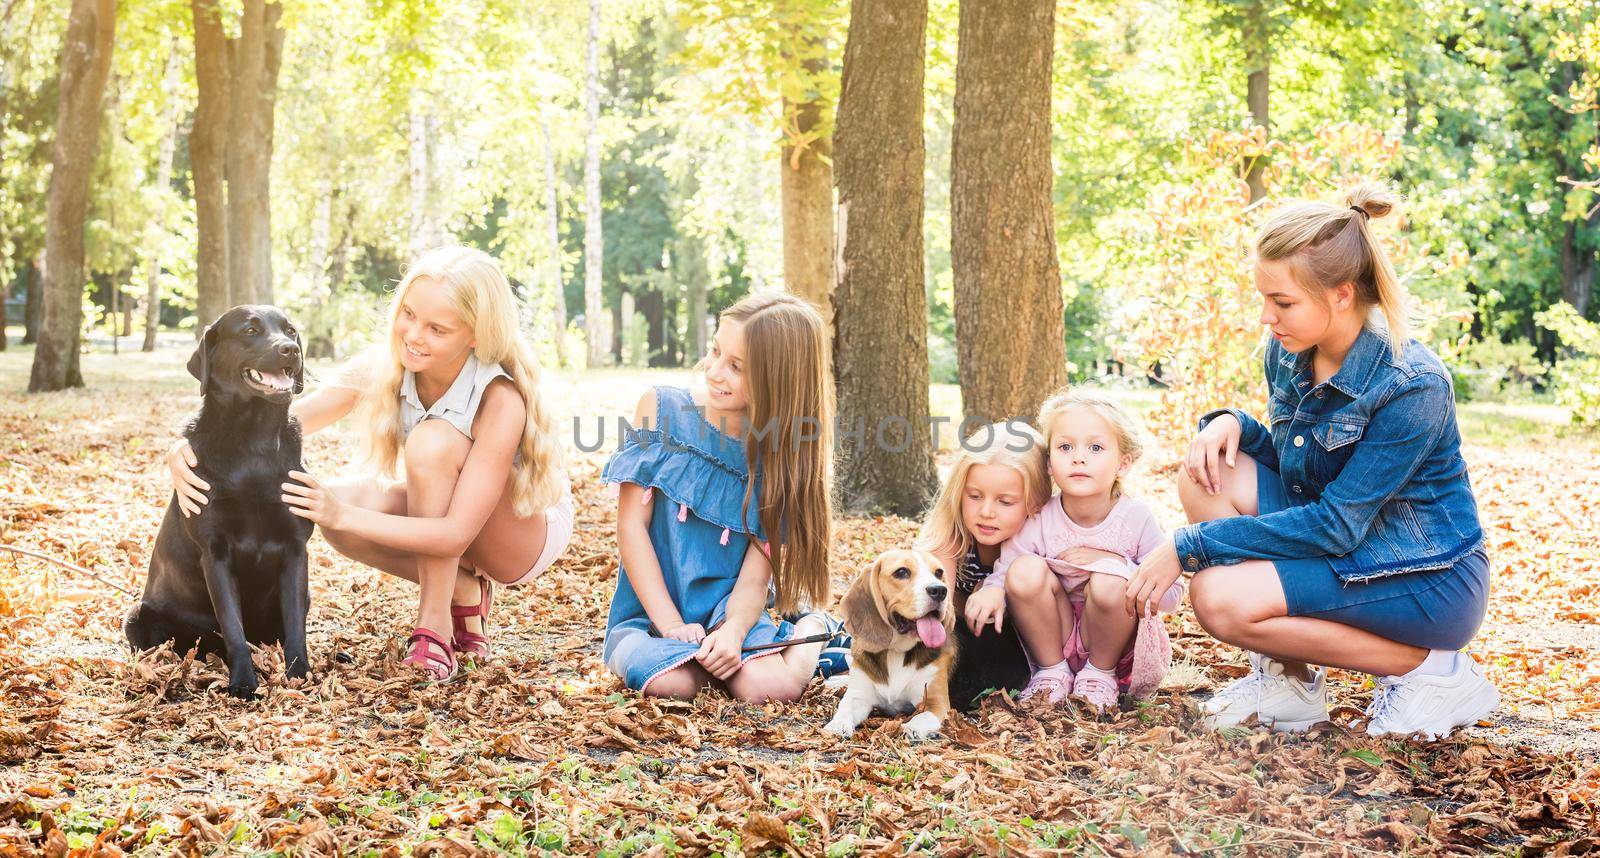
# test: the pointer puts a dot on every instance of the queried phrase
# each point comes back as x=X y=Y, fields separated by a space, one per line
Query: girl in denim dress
x=710 y=512
x=1346 y=534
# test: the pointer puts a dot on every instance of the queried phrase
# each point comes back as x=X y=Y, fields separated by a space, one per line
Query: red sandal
x=468 y=643
x=439 y=668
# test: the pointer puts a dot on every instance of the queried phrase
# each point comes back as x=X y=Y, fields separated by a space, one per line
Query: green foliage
x=1577 y=372
x=1495 y=370
x=1485 y=105
x=1187 y=304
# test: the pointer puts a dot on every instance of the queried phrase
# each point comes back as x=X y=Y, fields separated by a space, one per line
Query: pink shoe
x=1096 y=688
x=1056 y=681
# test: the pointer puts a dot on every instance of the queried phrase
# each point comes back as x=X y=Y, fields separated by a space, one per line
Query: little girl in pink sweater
x=1064 y=576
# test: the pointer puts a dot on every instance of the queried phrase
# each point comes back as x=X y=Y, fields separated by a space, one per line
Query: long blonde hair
x=1326 y=246
x=792 y=413
x=943 y=531
x=479 y=294
x=1129 y=437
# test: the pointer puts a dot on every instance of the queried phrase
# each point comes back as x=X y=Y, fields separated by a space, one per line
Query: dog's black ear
x=200 y=361
x=300 y=371
x=862 y=614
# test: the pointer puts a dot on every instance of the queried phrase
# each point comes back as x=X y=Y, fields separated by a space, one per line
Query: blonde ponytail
x=1326 y=246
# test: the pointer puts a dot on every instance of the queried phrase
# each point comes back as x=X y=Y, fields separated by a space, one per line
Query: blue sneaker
x=835 y=657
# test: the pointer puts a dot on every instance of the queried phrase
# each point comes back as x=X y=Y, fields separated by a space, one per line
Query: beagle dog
x=899 y=612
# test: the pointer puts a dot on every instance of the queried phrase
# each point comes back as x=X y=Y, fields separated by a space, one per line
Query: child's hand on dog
x=719 y=653
x=191 y=489
x=309 y=499
x=987 y=605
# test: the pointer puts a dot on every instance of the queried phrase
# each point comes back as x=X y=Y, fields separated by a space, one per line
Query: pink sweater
x=1130 y=530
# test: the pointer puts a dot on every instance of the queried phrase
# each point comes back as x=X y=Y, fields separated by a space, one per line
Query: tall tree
x=807 y=186
x=1003 y=247
x=1580 y=234
x=85 y=66
x=230 y=150
x=1255 y=35
x=552 y=208
x=880 y=307
x=254 y=60
x=769 y=60
x=152 y=261
x=595 y=319
x=208 y=150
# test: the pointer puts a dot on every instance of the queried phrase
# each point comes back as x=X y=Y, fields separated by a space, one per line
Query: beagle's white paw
x=840 y=726
x=922 y=726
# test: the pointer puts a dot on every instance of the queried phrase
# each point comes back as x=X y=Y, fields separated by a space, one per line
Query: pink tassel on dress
x=724 y=536
x=683 y=512
x=649 y=492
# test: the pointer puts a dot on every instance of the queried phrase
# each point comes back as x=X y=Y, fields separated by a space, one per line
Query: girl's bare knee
x=1028 y=577
x=435 y=445
x=1197 y=504
x=770 y=692
x=762 y=683
x=1107 y=592
x=680 y=683
x=1215 y=607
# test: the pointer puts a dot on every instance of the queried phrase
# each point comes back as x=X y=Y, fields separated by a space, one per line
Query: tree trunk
x=207 y=156
x=1257 y=36
x=558 y=289
x=425 y=229
x=35 y=301
x=152 y=262
x=689 y=259
x=595 y=322
x=1578 y=239
x=253 y=65
x=807 y=201
x=85 y=65
x=1578 y=262
x=1003 y=246
x=880 y=307
x=621 y=320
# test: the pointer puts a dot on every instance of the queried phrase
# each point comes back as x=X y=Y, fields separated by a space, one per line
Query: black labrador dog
x=235 y=574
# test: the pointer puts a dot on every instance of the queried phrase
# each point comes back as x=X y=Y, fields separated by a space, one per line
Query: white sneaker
x=1432 y=705
x=1276 y=701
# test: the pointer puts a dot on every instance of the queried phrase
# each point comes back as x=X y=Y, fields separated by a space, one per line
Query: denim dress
x=1365 y=507
x=694 y=477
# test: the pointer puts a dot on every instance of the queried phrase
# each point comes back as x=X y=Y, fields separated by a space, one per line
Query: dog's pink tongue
x=931 y=631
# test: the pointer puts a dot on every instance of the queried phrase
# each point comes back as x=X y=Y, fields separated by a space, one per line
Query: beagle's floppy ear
x=862 y=615
x=200 y=361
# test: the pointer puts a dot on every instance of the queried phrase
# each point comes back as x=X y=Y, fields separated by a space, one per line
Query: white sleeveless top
x=458 y=406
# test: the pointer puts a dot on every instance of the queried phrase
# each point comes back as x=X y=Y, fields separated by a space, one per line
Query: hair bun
x=1371 y=197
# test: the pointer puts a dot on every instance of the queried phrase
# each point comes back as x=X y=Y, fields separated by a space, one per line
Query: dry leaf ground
x=541 y=750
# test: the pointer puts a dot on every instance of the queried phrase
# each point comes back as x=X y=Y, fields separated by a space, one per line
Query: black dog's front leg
x=225 y=603
x=294 y=601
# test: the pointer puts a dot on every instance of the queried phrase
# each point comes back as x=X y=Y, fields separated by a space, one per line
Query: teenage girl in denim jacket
x=1347 y=534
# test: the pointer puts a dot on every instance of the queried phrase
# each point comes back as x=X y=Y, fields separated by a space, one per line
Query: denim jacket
x=1371 y=459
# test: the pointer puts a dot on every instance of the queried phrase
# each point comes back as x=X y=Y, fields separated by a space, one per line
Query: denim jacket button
x=1299 y=440
x=1297 y=488
x=1192 y=563
x=1321 y=393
